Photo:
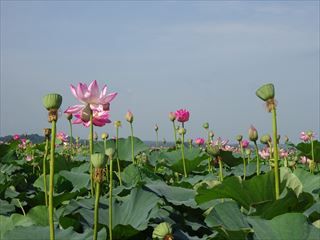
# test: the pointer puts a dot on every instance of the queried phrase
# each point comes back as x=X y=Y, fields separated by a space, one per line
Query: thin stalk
x=312 y=155
x=132 y=147
x=91 y=152
x=183 y=159
x=157 y=140
x=110 y=199
x=70 y=125
x=51 y=182
x=45 y=172
x=220 y=169
x=107 y=168
x=275 y=153
x=258 y=159
x=96 y=212
x=175 y=133
x=118 y=161
x=244 y=161
x=22 y=209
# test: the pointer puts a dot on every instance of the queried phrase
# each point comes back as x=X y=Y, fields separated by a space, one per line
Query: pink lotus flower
x=306 y=136
x=29 y=158
x=100 y=118
x=182 y=115
x=62 y=136
x=199 y=141
x=23 y=144
x=264 y=153
x=228 y=148
x=304 y=160
x=16 y=137
x=221 y=143
x=284 y=153
x=91 y=95
x=245 y=143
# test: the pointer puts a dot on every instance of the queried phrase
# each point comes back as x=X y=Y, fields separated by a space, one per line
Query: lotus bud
x=47 y=132
x=265 y=139
x=117 y=124
x=286 y=139
x=266 y=92
x=129 y=117
x=162 y=231
x=98 y=160
x=104 y=136
x=211 y=133
x=253 y=134
x=52 y=101
x=239 y=138
x=109 y=152
x=190 y=141
x=68 y=116
x=205 y=125
x=85 y=113
x=172 y=116
x=310 y=134
x=182 y=131
x=156 y=128
x=213 y=150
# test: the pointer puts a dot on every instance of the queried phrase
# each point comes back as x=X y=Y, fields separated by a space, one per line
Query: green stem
x=157 y=139
x=209 y=138
x=258 y=159
x=105 y=148
x=175 y=133
x=91 y=151
x=118 y=161
x=51 y=179
x=45 y=172
x=183 y=160
x=244 y=161
x=220 y=169
x=110 y=199
x=96 y=212
x=275 y=153
x=312 y=155
x=22 y=209
x=132 y=147
x=70 y=124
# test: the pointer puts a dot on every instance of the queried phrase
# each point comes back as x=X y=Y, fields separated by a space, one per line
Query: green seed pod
x=182 y=131
x=104 y=136
x=265 y=139
x=161 y=231
x=205 y=125
x=117 y=124
x=98 y=160
x=109 y=152
x=69 y=116
x=52 y=101
x=213 y=150
x=85 y=113
x=239 y=138
x=266 y=92
x=156 y=127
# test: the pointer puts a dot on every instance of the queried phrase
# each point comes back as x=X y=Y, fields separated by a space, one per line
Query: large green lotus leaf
x=78 y=180
x=175 y=195
x=313 y=213
x=42 y=233
x=8 y=223
x=293 y=226
x=124 y=145
x=310 y=182
x=250 y=192
x=305 y=149
x=193 y=158
x=134 y=174
x=230 y=159
x=39 y=215
x=6 y=207
x=8 y=152
x=227 y=217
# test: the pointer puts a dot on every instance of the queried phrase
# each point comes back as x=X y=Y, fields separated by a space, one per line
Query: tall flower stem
x=96 y=211
x=110 y=198
x=51 y=180
x=220 y=169
x=45 y=171
x=244 y=161
x=71 y=140
x=258 y=159
x=175 y=133
x=183 y=159
x=157 y=140
x=312 y=155
x=132 y=146
x=107 y=168
x=91 y=151
x=118 y=161
x=275 y=153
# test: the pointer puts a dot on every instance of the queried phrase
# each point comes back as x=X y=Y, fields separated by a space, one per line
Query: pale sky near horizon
x=207 y=57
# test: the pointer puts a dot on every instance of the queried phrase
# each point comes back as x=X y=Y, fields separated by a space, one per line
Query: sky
x=205 y=56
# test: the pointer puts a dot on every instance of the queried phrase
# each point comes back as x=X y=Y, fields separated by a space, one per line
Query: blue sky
x=208 y=57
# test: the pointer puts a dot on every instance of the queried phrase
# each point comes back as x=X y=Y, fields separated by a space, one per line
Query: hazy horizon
x=207 y=57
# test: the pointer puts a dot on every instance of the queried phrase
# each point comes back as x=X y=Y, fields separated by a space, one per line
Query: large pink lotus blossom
x=182 y=115
x=90 y=95
x=264 y=153
x=100 y=118
x=244 y=143
x=199 y=141
x=307 y=136
x=16 y=137
x=62 y=136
